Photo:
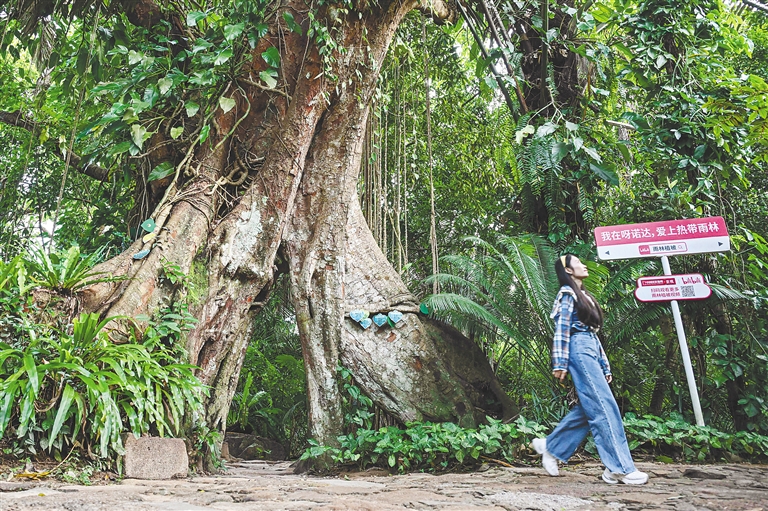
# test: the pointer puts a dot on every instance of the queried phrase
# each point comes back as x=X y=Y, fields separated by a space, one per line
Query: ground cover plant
x=439 y=447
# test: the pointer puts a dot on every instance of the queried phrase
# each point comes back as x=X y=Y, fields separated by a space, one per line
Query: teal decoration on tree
x=141 y=255
x=379 y=319
x=148 y=225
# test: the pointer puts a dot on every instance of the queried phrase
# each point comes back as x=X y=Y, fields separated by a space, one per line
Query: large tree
x=255 y=172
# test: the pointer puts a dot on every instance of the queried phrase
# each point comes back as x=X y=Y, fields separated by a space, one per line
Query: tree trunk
x=664 y=375
x=300 y=203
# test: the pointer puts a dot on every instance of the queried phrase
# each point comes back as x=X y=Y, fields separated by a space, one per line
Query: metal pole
x=684 y=351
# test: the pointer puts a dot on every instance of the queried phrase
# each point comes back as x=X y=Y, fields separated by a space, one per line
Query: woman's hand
x=609 y=378
x=559 y=374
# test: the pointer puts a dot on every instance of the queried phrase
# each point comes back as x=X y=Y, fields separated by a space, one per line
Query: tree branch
x=441 y=11
x=18 y=120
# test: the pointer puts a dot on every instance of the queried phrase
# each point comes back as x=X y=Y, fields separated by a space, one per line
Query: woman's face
x=577 y=269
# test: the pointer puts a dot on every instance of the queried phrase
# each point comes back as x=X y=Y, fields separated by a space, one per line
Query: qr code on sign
x=687 y=291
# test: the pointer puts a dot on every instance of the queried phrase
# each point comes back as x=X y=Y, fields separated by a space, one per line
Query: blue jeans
x=596 y=410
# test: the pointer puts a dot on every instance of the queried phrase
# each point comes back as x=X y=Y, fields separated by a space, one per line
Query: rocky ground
x=268 y=486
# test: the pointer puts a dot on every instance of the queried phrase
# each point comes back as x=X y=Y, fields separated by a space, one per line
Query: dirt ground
x=272 y=486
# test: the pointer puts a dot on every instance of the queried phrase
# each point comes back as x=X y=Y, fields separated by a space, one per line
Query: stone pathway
x=268 y=486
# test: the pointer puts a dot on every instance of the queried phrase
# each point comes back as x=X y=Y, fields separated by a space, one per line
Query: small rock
x=4 y=486
x=696 y=473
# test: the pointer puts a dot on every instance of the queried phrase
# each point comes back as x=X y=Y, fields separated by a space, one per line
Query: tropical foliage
x=67 y=386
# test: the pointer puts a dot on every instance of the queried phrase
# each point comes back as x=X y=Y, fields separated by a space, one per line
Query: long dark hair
x=587 y=307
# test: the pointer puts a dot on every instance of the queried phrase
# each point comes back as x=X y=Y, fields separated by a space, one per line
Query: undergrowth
x=438 y=447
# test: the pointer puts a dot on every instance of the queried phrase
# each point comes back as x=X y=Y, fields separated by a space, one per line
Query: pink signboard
x=665 y=288
x=656 y=239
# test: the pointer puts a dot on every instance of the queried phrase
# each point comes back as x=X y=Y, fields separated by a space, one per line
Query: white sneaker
x=548 y=461
x=635 y=477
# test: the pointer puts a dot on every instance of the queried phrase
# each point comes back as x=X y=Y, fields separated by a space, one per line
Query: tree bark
x=301 y=204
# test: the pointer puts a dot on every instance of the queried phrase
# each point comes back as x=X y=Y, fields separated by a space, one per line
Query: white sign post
x=661 y=239
x=684 y=351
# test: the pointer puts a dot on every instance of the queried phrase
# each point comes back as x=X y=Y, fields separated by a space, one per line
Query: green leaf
x=204 y=133
x=165 y=169
x=82 y=60
x=226 y=104
x=232 y=32
x=593 y=154
x=10 y=389
x=138 y=135
x=545 y=129
x=571 y=126
x=31 y=369
x=119 y=148
x=267 y=77
x=150 y=96
x=164 y=85
x=194 y=17
x=625 y=52
x=292 y=25
x=27 y=409
x=61 y=415
x=176 y=132
x=624 y=150
x=134 y=57
x=606 y=172
x=560 y=151
x=191 y=108
x=272 y=57
x=636 y=120
x=201 y=45
x=223 y=57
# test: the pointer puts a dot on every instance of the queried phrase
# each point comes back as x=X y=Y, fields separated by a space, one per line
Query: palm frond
x=627 y=274
x=727 y=293
x=626 y=318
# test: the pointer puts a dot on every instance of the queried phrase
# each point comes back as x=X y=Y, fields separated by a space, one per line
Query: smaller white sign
x=665 y=288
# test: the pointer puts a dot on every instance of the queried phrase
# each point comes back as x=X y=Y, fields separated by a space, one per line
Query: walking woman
x=577 y=350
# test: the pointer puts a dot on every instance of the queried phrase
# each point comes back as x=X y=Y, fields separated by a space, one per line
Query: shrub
x=66 y=386
x=57 y=392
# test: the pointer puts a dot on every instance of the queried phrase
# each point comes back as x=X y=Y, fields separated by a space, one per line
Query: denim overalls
x=596 y=410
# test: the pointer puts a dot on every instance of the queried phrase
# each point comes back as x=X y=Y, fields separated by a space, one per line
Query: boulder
x=155 y=458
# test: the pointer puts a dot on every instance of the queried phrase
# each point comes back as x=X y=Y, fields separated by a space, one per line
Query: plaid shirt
x=567 y=319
